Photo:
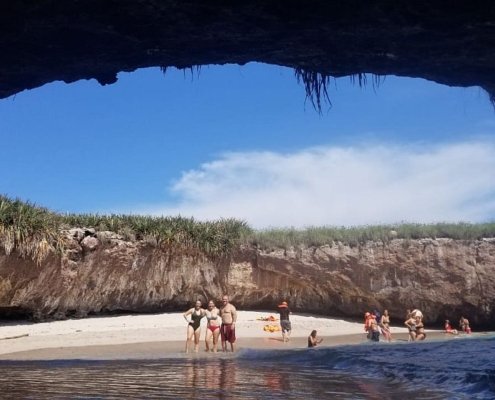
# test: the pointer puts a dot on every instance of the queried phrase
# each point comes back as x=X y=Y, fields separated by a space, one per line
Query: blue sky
x=242 y=141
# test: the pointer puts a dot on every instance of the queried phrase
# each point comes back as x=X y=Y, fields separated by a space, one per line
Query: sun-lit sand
x=141 y=336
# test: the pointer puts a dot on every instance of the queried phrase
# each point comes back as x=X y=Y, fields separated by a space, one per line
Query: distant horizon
x=241 y=142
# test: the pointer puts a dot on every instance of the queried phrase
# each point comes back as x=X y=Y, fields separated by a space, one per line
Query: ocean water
x=447 y=369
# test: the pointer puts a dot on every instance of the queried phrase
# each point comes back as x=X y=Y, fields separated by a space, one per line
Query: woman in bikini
x=420 y=329
x=464 y=325
x=194 y=325
x=411 y=325
x=385 y=325
x=213 y=327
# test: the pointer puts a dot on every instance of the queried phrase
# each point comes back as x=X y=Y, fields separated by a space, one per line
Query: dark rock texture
x=450 y=42
x=443 y=277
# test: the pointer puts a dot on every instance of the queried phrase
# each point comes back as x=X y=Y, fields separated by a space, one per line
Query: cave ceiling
x=449 y=42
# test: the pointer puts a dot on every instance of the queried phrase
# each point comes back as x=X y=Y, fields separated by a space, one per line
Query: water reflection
x=185 y=379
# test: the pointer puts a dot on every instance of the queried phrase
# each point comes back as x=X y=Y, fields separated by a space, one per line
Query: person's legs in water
x=216 y=334
x=208 y=338
x=197 y=333
x=190 y=335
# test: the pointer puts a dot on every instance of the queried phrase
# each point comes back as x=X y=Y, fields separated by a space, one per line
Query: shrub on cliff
x=35 y=231
x=30 y=230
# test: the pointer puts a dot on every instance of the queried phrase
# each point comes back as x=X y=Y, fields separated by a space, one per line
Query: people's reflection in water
x=213 y=373
x=195 y=375
x=277 y=381
x=218 y=375
x=228 y=374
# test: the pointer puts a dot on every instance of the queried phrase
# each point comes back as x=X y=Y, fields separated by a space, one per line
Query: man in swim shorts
x=285 y=324
x=228 y=314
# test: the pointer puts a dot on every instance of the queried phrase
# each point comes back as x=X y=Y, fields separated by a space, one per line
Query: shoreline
x=163 y=336
x=175 y=349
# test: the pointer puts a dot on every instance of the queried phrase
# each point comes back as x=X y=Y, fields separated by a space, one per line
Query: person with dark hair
x=313 y=340
x=378 y=316
x=285 y=324
x=374 y=333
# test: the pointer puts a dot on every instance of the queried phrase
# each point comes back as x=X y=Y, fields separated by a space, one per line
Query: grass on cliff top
x=35 y=231
x=319 y=236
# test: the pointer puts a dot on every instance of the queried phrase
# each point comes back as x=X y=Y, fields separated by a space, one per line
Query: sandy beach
x=159 y=335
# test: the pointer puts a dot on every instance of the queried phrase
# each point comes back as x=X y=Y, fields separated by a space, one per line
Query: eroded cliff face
x=103 y=273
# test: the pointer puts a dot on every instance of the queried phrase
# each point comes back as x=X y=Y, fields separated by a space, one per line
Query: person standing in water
x=420 y=329
x=313 y=340
x=194 y=325
x=213 y=326
x=411 y=326
x=285 y=324
x=228 y=314
x=385 y=325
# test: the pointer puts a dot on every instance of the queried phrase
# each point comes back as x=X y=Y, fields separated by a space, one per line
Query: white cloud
x=342 y=186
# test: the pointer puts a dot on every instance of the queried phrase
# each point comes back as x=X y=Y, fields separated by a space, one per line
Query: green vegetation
x=318 y=236
x=214 y=238
x=32 y=231
x=35 y=231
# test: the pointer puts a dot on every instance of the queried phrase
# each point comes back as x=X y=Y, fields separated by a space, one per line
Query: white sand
x=153 y=328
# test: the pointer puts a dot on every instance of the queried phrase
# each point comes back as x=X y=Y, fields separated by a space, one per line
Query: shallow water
x=453 y=369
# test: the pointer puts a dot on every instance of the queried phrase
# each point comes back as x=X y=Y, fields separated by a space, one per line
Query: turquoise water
x=451 y=369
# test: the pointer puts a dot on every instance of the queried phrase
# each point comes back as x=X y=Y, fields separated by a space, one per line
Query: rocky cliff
x=102 y=273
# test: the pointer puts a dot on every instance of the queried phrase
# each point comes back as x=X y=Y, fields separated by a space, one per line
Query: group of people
x=286 y=327
x=414 y=323
x=375 y=323
x=220 y=323
x=463 y=327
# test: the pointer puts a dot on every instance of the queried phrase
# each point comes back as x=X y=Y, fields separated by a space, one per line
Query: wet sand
x=167 y=349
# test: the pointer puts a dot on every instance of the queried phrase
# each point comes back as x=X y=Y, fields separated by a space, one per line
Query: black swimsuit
x=196 y=320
